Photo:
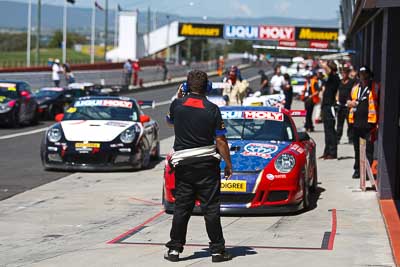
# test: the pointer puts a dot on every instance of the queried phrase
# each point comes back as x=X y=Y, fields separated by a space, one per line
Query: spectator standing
x=328 y=110
x=165 y=71
x=288 y=91
x=310 y=96
x=264 y=83
x=346 y=84
x=56 y=71
x=277 y=80
x=69 y=75
x=128 y=72
x=136 y=69
x=363 y=115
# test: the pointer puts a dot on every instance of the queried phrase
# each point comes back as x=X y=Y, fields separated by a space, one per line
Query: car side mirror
x=25 y=94
x=59 y=117
x=144 y=118
x=303 y=136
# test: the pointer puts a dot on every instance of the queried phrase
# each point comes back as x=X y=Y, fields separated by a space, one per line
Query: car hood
x=253 y=156
x=94 y=130
x=44 y=100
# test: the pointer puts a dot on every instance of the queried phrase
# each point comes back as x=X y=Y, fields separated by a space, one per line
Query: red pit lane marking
x=145 y=201
x=125 y=235
x=119 y=239
x=333 y=231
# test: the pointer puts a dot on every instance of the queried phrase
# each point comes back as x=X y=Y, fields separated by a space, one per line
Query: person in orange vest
x=310 y=97
x=363 y=115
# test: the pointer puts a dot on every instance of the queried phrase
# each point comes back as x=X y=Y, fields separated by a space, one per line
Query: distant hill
x=13 y=16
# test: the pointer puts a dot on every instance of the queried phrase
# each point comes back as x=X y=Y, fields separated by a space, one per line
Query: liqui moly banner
x=263 y=32
x=276 y=33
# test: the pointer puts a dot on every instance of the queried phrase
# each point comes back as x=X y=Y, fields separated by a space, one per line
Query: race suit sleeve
x=220 y=129
x=170 y=117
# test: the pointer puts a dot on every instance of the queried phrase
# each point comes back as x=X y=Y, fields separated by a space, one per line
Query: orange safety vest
x=315 y=98
x=372 y=103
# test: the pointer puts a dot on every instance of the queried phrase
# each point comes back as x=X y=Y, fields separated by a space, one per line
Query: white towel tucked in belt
x=197 y=152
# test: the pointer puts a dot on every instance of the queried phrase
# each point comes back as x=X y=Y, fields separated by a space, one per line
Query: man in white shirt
x=277 y=81
x=56 y=70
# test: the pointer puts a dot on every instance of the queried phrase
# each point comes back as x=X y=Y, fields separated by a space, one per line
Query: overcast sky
x=317 y=9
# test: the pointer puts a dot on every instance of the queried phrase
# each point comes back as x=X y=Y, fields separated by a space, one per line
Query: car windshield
x=8 y=90
x=102 y=109
x=259 y=129
x=48 y=93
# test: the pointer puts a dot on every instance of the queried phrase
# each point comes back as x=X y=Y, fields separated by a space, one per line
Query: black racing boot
x=356 y=174
x=172 y=255
x=220 y=257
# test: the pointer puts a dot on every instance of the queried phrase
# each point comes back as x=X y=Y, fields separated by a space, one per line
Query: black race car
x=52 y=101
x=99 y=133
x=17 y=104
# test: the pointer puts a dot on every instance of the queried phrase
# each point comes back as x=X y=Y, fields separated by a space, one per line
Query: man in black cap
x=199 y=143
x=363 y=115
x=328 y=110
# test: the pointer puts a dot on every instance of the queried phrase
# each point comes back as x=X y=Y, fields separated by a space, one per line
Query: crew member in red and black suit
x=199 y=144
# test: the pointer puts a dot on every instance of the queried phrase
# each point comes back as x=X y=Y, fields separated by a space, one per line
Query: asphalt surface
x=20 y=164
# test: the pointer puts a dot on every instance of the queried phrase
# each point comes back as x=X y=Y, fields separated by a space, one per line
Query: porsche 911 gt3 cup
x=101 y=133
x=274 y=165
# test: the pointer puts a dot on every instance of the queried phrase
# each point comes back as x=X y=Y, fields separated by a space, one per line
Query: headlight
x=4 y=108
x=285 y=163
x=54 y=135
x=128 y=136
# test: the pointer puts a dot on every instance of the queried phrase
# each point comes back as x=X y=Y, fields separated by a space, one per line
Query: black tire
x=306 y=195
x=14 y=118
x=314 y=186
x=145 y=159
x=35 y=118
x=156 y=154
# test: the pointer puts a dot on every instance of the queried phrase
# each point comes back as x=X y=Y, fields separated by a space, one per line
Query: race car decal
x=259 y=150
x=233 y=186
x=104 y=103
x=251 y=114
x=53 y=89
x=9 y=86
x=272 y=177
x=297 y=149
x=264 y=115
x=2 y=98
x=71 y=110
x=226 y=115
x=116 y=124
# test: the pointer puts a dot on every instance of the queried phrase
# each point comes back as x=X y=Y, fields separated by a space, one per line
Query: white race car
x=276 y=100
x=98 y=133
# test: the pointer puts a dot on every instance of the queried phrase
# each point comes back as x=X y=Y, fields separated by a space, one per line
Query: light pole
x=39 y=7
x=168 y=49
x=64 y=43
x=93 y=35
x=28 y=36
x=106 y=30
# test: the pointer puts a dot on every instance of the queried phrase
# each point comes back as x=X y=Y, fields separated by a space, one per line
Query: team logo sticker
x=259 y=150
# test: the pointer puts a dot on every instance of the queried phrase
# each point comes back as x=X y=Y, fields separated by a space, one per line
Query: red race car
x=274 y=165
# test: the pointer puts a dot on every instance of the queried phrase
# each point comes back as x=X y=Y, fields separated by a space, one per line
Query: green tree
x=72 y=39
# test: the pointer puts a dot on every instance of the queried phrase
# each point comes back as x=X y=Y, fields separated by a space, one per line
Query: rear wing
x=147 y=103
x=298 y=113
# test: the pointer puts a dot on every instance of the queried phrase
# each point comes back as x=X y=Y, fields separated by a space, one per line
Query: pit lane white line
x=22 y=134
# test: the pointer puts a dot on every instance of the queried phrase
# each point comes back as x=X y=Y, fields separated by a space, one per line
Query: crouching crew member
x=199 y=144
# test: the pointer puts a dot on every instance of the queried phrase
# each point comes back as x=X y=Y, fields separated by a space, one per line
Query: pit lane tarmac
x=297 y=232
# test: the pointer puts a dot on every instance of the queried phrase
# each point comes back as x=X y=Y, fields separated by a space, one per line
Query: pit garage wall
x=378 y=46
